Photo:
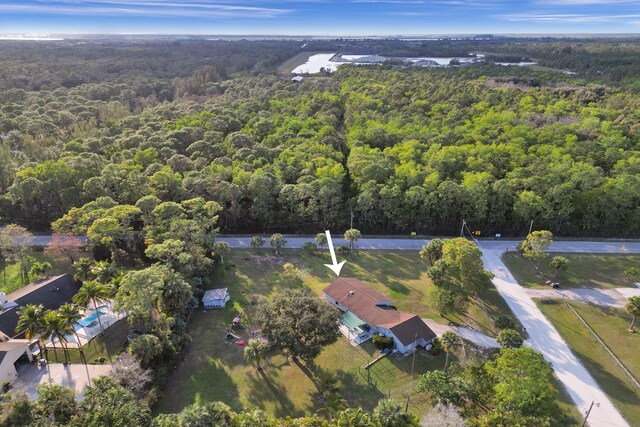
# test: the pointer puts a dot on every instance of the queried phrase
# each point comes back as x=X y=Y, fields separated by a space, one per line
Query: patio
x=30 y=376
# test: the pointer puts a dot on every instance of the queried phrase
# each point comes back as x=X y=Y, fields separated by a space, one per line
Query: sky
x=319 y=17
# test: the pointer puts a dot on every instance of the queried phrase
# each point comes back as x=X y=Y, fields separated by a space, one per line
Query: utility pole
x=464 y=222
x=588 y=412
x=530 y=227
x=413 y=364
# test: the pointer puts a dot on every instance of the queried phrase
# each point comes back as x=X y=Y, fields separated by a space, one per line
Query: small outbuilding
x=297 y=79
x=215 y=298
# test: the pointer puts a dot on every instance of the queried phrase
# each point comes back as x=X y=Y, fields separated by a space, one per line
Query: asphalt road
x=417 y=244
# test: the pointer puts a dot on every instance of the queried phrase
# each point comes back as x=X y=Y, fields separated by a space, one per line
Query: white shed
x=215 y=298
x=297 y=79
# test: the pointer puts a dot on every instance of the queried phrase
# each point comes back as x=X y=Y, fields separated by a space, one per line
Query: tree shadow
x=358 y=392
x=210 y=382
x=617 y=389
x=263 y=389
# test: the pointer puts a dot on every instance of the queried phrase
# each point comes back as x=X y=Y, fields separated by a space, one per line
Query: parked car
x=552 y=284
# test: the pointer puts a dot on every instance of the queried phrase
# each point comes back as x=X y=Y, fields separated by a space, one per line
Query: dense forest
x=404 y=150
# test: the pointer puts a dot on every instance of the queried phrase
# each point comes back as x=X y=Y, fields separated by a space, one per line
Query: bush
x=382 y=342
x=309 y=248
x=436 y=347
x=343 y=249
x=505 y=322
x=40 y=270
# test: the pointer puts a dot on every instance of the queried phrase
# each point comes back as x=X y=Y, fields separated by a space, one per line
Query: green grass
x=211 y=369
x=10 y=279
x=585 y=270
x=104 y=346
x=611 y=326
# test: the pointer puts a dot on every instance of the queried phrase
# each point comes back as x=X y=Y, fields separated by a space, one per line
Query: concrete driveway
x=74 y=376
x=605 y=297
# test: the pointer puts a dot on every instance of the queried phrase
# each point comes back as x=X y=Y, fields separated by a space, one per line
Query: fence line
x=606 y=347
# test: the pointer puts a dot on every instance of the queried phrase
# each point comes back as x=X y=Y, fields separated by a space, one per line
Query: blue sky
x=320 y=17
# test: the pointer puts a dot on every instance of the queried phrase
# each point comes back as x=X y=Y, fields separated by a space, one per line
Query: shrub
x=343 y=249
x=382 y=342
x=505 y=322
x=309 y=248
x=40 y=269
x=436 y=347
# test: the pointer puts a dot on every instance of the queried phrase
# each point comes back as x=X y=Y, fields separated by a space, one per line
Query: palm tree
x=92 y=291
x=333 y=404
x=104 y=271
x=449 y=341
x=633 y=308
x=31 y=321
x=70 y=314
x=83 y=269
x=352 y=235
x=54 y=328
x=254 y=351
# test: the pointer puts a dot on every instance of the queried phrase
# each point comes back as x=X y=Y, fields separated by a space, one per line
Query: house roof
x=51 y=293
x=412 y=329
x=377 y=310
x=215 y=294
x=13 y=344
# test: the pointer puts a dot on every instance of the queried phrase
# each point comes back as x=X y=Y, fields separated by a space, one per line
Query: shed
x=297 y=79
x=215 y=298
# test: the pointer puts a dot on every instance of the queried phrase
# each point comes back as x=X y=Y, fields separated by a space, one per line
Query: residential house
x=50 y=293
x=11 y=354
x=368 y=312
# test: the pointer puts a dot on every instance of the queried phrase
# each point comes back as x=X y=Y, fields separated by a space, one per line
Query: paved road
x=417 y=244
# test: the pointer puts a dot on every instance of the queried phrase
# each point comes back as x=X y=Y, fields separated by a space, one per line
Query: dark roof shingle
x=50 y=293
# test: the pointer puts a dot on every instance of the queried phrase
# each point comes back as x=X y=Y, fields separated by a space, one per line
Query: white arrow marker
x=335 y=267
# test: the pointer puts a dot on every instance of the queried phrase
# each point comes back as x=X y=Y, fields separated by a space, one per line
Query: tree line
x=410 y=150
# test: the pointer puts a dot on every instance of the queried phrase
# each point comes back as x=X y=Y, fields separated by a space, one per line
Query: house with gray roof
x=50 y=293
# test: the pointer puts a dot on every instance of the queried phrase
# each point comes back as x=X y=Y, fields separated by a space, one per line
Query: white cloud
x=587 y=2
x=569 y=18
x=159 y=8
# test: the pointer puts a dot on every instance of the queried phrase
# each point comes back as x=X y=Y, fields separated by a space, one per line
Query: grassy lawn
x=213 y=369
x=108 y=345
x=611 y=325
x=585 y=270
x=10 y=278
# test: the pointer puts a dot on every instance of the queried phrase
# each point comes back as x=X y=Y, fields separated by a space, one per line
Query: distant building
x=297 y=79
x=50 y=293
x=425 y=63
x=367 y=312
x=215 y=298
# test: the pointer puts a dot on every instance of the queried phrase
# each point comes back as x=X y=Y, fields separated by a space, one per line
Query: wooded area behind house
x=406 y=150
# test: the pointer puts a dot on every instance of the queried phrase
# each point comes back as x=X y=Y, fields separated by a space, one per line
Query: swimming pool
x=91 y=320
